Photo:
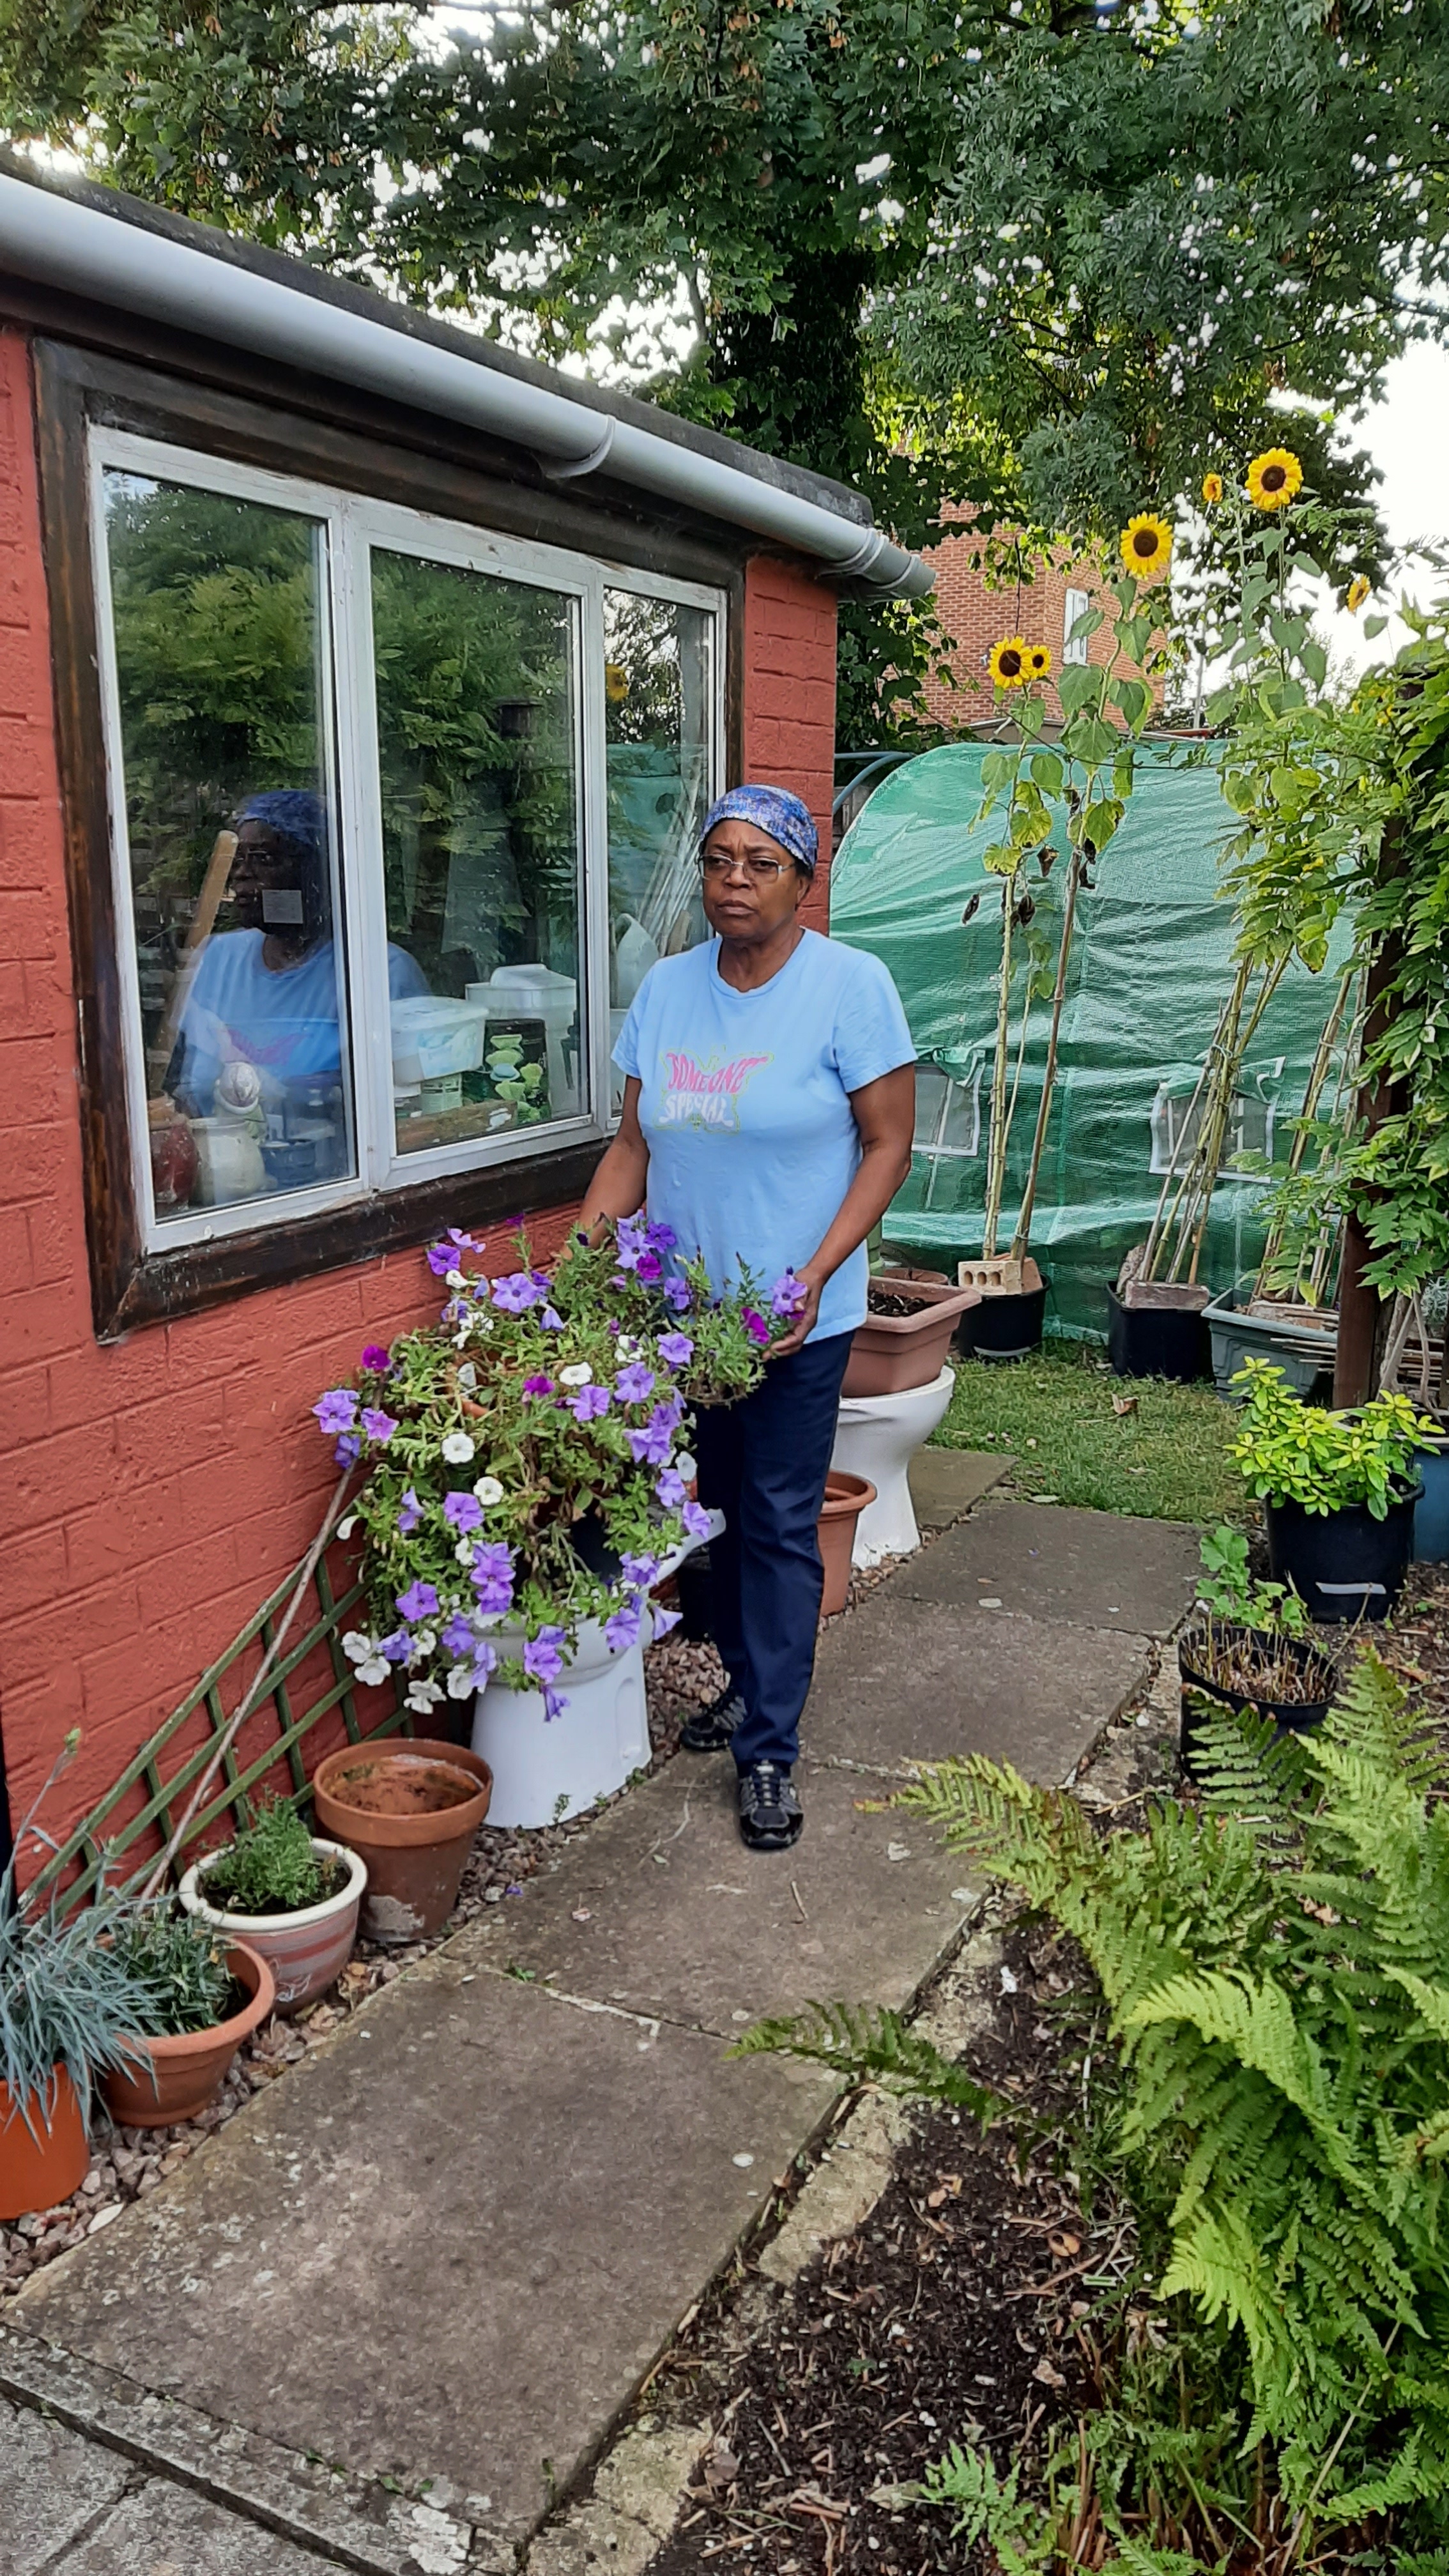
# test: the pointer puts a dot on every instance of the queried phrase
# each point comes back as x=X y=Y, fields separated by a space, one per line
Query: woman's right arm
x=618 y=1186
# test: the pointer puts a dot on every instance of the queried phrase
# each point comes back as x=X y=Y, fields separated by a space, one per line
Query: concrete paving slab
x=907 y=1681
x=162 y=2530
x=53 y=2484
x=946 y=1482
x=662 y=1909
x=1097 y=1568
x=449 y=2243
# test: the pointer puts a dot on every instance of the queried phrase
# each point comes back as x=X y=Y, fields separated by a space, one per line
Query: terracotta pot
x=892 y=1352
x=174 y=1159
x=304 y=1951
x=38 y=2175
x=411 y=1810
x=845 y=1499
x=187 y=2068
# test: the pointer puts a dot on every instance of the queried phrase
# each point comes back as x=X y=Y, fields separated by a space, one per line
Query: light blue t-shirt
x=284 y=1021
x=745 y=1106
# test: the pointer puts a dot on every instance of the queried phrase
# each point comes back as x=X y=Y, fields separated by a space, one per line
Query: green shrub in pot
x=1290 y=1452
x=179 y=1958
x=271 y=1867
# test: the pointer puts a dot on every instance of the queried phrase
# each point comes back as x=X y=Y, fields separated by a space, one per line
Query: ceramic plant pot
x=38 y=2172
x=845 y=1499
x=892 y=1352
x=411 y=1811
x=304 y=1951
x=186 y=2068
x=1159 y=1332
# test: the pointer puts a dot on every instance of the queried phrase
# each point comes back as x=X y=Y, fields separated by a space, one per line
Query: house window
x=1074 y=647
x=402 y=811
x=1177 y=1121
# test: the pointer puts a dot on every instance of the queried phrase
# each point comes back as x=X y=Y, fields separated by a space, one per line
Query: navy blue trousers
x=762 y=1463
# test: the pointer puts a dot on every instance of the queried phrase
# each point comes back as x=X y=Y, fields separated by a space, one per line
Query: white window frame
x=1075 y=648
x=353 y=524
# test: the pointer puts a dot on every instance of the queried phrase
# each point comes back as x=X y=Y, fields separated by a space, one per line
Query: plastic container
x=1344 y=1564
x=433 y=1035
x=1304 y=1352
x=1431 y=1512
x=891 y=1353
x=536 y=993
x=1291 y=1716
x=1166 y=1340
x=1004 y=1327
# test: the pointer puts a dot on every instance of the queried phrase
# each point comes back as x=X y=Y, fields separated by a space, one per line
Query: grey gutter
x=61 y=242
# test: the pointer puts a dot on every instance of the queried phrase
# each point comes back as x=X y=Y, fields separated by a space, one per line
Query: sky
x=1407 y=435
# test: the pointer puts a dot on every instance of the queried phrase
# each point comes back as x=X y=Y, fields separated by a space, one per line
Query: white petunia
x=422 y=1696
x=356 y=1647
x=458 y=1448
x=346 y=1528
x=464 y=1551
x=373 y=1672
x=457 y=1279
x=578 y=1373
x=686 y=1466
x=468 y=1374
x=461 y=1684
x=424 y=1642
x=488 y=1491
x=627 y=1347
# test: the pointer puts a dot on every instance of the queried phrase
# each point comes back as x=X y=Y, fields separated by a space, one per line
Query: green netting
x=1149 y=975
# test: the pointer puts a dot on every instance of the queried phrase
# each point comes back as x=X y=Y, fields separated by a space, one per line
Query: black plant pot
x=592 y=1548
x=1291 y=1716
x=1157 y=1341
x=1343 y=1564
x=1004 y=1328
x=695 y=1585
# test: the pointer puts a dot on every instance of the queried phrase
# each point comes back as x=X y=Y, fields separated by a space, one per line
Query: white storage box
x=433 y=1035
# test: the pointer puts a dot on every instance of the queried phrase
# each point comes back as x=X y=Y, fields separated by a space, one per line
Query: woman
x=768 y=1106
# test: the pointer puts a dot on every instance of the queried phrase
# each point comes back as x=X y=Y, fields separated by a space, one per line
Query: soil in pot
x=1345 y=1564
x=410 y=1811
x=187 y=2067
x=905 y=1337
x=1288 y=1680
x=41 y=2171
x=1150 y=1336
x=845 y=1499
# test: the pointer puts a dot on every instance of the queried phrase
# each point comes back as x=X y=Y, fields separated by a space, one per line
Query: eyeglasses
x=762 y=872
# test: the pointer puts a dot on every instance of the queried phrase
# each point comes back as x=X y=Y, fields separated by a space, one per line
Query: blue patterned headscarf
x=773 y=810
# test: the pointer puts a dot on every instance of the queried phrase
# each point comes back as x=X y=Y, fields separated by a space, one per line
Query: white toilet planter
x=546 y=1768
x=878 y=1436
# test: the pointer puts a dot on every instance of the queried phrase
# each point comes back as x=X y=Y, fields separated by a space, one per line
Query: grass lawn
x=1165 y=1461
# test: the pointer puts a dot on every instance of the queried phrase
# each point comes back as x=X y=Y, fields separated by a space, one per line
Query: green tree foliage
x=1045 y=258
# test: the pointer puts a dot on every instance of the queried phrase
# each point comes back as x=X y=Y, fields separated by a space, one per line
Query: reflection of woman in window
x=266 y=992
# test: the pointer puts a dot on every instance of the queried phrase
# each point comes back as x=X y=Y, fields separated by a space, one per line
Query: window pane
x=659 y=695
x=219 y=610
x=480 y=818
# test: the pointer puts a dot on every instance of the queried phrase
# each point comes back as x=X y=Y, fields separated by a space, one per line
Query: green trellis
x=131 y=1851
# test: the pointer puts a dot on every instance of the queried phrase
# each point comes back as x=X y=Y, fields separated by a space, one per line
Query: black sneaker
x=711 y=1729
x=770 y=1817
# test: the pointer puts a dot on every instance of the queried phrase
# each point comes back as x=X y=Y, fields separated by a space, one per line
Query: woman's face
x=266 y=886
x=738 y=902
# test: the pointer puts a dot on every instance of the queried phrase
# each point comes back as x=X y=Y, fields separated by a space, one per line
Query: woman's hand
x=807 y=1316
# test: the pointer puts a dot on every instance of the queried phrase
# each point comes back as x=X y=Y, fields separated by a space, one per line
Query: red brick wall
x=789 y=698
x=157 y=1488
x=976 y=617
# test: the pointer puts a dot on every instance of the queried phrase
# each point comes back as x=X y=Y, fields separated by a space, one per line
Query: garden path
x=448 y=2245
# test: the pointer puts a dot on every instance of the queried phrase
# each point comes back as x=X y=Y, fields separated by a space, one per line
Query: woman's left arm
x=885 y=1114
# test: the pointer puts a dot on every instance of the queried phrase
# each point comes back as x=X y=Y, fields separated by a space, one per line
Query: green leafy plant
x=1288 y=1451
x=69 y=1996
x=1228 y=1591
x=179 y=1958
x=270 y=1867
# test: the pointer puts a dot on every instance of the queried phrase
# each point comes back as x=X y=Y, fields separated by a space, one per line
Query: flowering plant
x=525 y=1461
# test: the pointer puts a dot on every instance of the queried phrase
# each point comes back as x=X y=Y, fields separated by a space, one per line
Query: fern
x=986 y=2507
x=865 y=2044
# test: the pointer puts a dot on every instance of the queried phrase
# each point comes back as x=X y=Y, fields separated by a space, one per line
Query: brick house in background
x=198 y=1231
x=977 y=614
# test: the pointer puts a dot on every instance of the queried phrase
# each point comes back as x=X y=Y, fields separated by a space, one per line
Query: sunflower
x=1212 y=489
x=1273 y=478
x=1146 y=545
x=1008 y=661
x=1358 y=590
x=1039 y=661
x=616 y=683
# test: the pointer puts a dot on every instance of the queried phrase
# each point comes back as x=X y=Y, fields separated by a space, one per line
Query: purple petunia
x=640 y=1570
x=484 y=1660
x=664 y=1620
x=589 y=1403
x=621 y=1630
x=493 y=1575
x=649 y=1267
x=554 y=1704
x=696 y=1520
x=676 y=1349
x=663 y=1238
x=538 y=1386
x=541 y=1658
x=650 y=1446
x=514 y=1294
x=631 y=1241
x=443 y=1257
x=551 y=1322
x=668 y=1415
x=397 y=1647
x=679 y=1295
x=378 y=1425
x=755 y=1325
x=409 y=1513
x=462 y=1512
x=374 y=1357
x=336 y=1410
x=788 y=1294
x=634 y=1383
x=458 y=1636
x=672 y=1489
x=348 y=1450
x=420 y=1601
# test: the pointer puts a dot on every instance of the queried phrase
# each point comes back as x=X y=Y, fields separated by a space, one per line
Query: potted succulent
x=285 y=1893
x=528 y=1487
x=206 y=1996
x=69 y=2003
x=410 y=1811
x=1339 y=1491
x=1250 y=1649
